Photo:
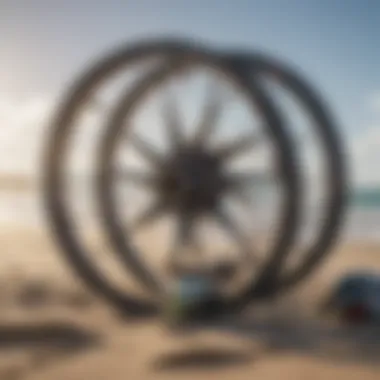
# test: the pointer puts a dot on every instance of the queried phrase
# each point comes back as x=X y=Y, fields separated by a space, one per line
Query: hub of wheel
x=193 y=180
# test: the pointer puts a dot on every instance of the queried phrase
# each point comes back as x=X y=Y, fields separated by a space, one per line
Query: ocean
x=24 y=208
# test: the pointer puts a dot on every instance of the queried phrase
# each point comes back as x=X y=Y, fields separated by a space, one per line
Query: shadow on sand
x=65 y=337
x=201 y=359
x=307 y=337
x=44 y=344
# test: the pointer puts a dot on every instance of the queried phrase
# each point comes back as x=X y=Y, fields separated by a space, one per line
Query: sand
x=52 y=327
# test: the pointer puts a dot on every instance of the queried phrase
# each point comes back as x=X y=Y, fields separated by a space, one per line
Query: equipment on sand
x=191 y=178
x=355 y=298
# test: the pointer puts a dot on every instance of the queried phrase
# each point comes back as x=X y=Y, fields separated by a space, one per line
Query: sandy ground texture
x=53 y=328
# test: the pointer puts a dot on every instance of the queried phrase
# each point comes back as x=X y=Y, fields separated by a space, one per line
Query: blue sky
x=45 y=43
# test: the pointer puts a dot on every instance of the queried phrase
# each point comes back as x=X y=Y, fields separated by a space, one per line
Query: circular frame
x=62 y=221
x=258 y=65
x=286 y=167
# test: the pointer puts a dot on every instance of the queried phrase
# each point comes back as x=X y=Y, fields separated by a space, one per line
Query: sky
x=44 y=44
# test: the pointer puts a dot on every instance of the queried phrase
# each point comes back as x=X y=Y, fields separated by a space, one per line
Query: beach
x=53 y=327
x=254 y=120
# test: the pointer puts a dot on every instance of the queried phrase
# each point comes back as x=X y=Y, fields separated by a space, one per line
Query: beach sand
x=53 y=328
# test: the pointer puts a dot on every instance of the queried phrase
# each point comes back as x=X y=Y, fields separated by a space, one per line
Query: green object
x=187 y=296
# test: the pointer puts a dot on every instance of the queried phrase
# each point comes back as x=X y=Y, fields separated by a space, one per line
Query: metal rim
x=333 y=148
x=108 y=208
x=55 y=156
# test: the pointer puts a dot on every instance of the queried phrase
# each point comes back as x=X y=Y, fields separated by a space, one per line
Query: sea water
x=362 y=223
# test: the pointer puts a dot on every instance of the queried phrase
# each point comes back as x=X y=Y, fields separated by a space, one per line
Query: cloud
x=364 y=150
x=375 y=102
x=364 y=153
x=24 y=127
x=24 y=124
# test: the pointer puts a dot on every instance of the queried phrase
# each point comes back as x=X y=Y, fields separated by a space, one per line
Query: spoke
x=97 y=105
x=238 y=147
x=226 y=222
x=147 y=150
x=183 y=231
x=148 y=180
x=242 y=195
x=150 y=215
x=173 y=122
x=242 y=180
x=184 y=236
x=211 y=115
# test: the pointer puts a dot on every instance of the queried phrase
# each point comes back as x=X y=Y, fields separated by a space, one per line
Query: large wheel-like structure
x=190 y=179
x=327 y=131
